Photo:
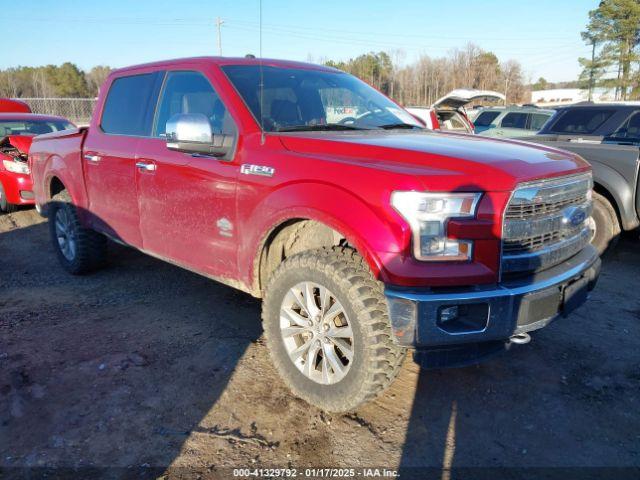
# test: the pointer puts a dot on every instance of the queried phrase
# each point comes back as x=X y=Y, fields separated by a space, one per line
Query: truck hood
x=460 y=161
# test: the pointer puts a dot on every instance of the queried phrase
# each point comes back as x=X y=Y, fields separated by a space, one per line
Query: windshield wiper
x=318 y=128
x=394 y=126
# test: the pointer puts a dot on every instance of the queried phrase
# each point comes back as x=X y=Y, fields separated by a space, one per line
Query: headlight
x=16 y=167
x=427 y=214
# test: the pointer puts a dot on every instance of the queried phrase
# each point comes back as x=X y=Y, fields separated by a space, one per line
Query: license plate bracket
x=574 y=295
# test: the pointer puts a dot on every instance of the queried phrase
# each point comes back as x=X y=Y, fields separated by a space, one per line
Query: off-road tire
x=91 y=246
x=5 y=206
x=606 y=224
x=376 y=360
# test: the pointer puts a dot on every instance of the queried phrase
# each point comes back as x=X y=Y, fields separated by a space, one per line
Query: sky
x=543 y=35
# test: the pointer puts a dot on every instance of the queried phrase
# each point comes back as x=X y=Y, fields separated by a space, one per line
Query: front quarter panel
x=354 y=200
x=344 y=212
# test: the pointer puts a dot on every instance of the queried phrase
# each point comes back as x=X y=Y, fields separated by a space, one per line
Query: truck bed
x=52 y=153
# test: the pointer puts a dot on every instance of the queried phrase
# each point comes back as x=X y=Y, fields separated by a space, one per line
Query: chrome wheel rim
x=65 y=234
x=317 y=333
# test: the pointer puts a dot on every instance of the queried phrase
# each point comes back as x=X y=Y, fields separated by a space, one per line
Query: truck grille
x=545 y=223
x=523 y=211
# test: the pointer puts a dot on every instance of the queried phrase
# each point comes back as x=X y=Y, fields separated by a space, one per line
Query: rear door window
x=128 y=109
x=514 y=120
x=581 y=120
x=630 y=128
x=485 y=119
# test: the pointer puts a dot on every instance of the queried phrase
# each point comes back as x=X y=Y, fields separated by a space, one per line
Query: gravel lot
x=144 y=366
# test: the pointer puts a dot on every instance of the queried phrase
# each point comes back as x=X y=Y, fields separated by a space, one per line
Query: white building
x=567 y=96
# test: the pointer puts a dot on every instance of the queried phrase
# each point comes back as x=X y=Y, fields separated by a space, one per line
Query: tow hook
x=520 y=338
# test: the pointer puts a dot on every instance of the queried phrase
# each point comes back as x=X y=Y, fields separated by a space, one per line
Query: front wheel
x=5 y=206
x=606 y=228
x=327 y=329
x=79 y=249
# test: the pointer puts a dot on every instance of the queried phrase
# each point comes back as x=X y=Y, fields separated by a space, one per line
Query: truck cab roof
x=221 y=61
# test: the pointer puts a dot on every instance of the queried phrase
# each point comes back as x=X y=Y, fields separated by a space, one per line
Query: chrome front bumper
x=422 y=319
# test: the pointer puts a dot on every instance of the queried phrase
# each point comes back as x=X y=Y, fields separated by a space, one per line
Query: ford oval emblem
x=574 y=216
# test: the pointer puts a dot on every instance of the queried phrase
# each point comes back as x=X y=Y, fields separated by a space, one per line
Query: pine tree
x=614 y=29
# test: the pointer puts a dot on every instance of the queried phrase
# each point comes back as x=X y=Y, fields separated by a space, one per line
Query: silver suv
x=511 y=121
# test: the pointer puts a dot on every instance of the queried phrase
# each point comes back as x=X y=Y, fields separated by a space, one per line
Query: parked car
x=511 y=121
x=607 y=136
x=8 y=105
x=473 y=111
x=362 y=240
x=448 y=113
x=16 y=133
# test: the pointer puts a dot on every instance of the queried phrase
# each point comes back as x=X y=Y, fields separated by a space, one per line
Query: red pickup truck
x=364 y=235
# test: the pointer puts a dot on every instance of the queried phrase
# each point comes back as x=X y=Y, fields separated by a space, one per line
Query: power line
x=363 y=42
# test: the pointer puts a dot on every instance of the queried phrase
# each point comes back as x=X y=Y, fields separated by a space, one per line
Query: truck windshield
x=32 y=127
x=308 y=99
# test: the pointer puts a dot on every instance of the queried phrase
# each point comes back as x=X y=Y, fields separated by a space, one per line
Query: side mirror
x=191 y=133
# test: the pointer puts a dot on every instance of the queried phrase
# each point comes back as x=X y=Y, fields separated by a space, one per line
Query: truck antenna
x=262 y=137
x=219 y=23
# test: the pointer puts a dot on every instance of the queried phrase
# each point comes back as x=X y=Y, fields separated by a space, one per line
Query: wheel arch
x=616 y=189
x=332 y=217
x=55 y=186
x=297 y=234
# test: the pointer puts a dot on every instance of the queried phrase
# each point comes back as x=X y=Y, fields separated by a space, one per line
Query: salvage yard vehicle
x=16 y=133
x=448 y=113
x=362 y=239
x=511 y=121
x=608 y=137
x=13 y=106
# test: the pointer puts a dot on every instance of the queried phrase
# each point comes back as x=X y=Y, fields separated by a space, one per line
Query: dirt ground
x=147 y=367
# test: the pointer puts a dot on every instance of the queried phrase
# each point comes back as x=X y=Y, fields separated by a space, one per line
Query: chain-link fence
x=78 y=110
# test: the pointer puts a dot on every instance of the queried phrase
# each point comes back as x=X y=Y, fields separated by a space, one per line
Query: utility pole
x=591 y=69
x=219 y=23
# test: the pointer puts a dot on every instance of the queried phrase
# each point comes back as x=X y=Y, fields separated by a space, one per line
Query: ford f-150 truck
x=363 y=238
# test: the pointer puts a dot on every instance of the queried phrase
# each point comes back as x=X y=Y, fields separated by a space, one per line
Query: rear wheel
x=5 y=206
x=327 y=329
x=80 y=250
x=606 y=228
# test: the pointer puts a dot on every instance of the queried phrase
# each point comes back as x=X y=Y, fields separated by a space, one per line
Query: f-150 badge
x=262 y=170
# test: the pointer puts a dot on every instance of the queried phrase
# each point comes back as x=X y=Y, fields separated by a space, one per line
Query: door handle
x=91 y=158
x=146 y=166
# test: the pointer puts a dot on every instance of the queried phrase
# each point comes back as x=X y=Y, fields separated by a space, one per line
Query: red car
x=14 y=106
x=364 y=235
x=16 y=132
